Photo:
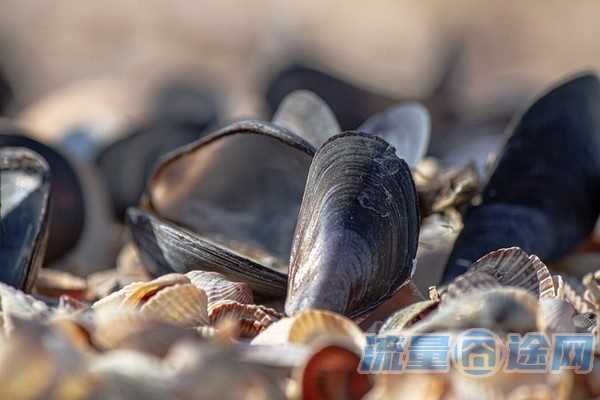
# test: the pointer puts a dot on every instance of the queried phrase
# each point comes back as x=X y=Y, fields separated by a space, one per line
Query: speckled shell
x=218 y=288
x=357 y=232
x=252 y=318
x=310 y=325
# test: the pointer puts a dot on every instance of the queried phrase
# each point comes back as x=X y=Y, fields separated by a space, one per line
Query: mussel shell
x=406 y=127
x=554 y=144
x=308 y=116
x=243 y=184
x=24 y=202
x=357 y=232
x=67 y=202
x=165 y=248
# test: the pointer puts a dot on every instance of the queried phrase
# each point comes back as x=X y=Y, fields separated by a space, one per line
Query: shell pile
x=263 y=259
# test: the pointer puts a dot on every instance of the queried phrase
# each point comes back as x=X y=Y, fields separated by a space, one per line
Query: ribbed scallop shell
x=133 y=330
x=505 y=267
x=252 y=318
x=555 y=316
x=180 y=304
x=591 y=282
x=132 y=295
x=218 y=288
x=310 y=325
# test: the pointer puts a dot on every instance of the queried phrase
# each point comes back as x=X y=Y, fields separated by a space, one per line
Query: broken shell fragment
x=357 y=232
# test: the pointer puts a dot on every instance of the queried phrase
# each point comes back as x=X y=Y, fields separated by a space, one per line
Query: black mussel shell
x=67 y=206
x=406 y=127
x=183 y=115
x=167 y=248
x=24 y=197
x=544 y=192
x=238 y=190
x=351 y=105
x=356 y=239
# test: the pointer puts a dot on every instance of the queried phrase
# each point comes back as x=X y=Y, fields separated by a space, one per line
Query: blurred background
x=503 y=51
x=80 y=75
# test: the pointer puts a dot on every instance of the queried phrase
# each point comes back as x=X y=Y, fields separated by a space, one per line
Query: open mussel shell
x=227 y=203
x=165 y=247
x=406 y=127
x=67 y=205
x=357 y=232
x=554 y=144
x=24 y=198
x=307 y=115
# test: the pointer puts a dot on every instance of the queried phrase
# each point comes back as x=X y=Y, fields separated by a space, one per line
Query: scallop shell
x=132 y=295
x=357 y=232
x=180 y=304
x=308 y=116
x=555 y=316
x=504 y=267
x=252 y=318
x=24 y=214
x=591 y=282
x=135 y=331
x=218 y=288
x=310 y=325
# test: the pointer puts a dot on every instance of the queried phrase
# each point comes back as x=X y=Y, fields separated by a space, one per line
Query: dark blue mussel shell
x=24 y=197
x=67 y=205
x=544 y=193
